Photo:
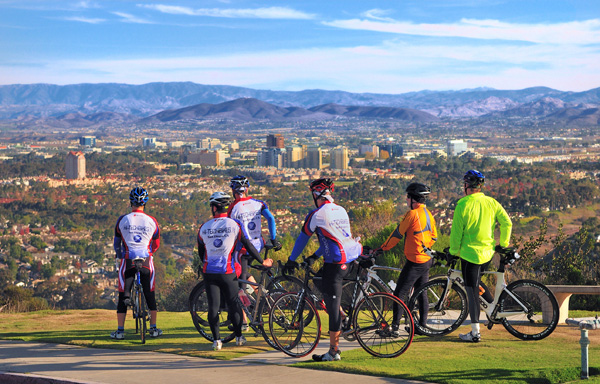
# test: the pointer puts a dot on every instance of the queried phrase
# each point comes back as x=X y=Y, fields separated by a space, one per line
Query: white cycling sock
x=474 y=328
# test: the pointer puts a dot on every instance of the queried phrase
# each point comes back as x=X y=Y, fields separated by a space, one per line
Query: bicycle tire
x=348 y=292
x=142 y=315
x=264 y=309
x=373 y=318
x=288 y=328
x=198 y=304
x=541 y=319
x=442 y=317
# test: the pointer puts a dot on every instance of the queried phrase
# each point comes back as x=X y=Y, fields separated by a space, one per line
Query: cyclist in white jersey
x=338 y=249
x=219 y=241
x=137 y=235
x=249 y=212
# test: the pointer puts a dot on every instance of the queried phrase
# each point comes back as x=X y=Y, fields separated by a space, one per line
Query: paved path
x=72 y=364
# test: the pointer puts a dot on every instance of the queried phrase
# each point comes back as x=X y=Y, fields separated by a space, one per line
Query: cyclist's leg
x=244 y=275
x=472 y=276
x=229 y=289
x=213 y=296
x=405 y=282
x=422 y=273
x=333 y=279
x=147 y=277
x=126 y=277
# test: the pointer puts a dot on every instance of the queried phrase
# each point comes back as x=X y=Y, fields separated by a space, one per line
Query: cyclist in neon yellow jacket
x=472 y=238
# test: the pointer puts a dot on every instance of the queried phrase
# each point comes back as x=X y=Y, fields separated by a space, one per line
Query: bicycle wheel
x=292 y=335
x=285 y=283
x=540 y=317
x=348 y=292
x=447 y=309
x=198 y=303
x=373 y=318
x=142 y=317
x=264 y=309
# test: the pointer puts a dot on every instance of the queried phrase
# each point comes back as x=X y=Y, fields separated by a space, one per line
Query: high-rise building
x=149 y=142
x=339 y=158
x=294 y=157
x=271 y=157
x=456 y=147
x=368 y=148
x=75 y=165
x=206 y=157
x=314 y=158
x=87 y=141
x=393 y=150
x=275 y=140
x=208 y=143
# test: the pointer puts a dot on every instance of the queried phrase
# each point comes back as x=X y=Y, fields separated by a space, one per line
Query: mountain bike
x=256 y=305
x=295 y=324
x=139 y=307
x=527 y=309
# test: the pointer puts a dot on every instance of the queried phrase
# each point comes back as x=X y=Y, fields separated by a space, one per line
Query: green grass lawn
x=499 y=358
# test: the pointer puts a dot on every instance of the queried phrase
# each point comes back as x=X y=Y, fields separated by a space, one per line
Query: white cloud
x=250 y=13
x=85 y=20
x=574 y=32
x=128 y=18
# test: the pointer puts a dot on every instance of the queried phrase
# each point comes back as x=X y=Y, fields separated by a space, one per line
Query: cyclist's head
x=473 y=179
x=138 y=197
x=220 y=200
x=239 y=184
x=321 y=188
x=418 y=192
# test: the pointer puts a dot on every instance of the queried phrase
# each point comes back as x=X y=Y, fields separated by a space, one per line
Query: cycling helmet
x=239 y=183
x=138 y=197
x=418 y=192
x=473 y=179
x=321 y=187
x=220 y=199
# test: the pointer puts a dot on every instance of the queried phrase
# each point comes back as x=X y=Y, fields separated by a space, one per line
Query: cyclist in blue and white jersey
x=137 y=235
x=249 y=212
x=219 y=241
x=337 y=247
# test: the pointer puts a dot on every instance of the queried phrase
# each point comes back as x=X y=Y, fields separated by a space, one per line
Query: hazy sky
x=380 y=46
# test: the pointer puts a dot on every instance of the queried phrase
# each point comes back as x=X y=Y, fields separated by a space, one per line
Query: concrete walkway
x=36 y=363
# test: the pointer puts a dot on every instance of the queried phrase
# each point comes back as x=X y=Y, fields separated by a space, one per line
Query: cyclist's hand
x=276 y=244
x=377 y=252
x=366 y=262
x=310 y=260
x=289 y=267
x=500 y=249
x=267 y=263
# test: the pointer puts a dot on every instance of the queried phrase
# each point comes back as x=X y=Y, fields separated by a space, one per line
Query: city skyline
x=378 y=47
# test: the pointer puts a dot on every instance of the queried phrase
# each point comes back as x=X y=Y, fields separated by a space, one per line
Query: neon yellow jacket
x=472 y=233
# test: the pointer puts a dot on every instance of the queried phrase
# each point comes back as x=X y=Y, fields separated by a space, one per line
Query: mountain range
x=94 y=104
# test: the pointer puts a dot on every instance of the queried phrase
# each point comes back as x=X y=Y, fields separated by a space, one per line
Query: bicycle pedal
x=490 y=325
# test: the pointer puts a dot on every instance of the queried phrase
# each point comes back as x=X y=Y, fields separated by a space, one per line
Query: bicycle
x=139 y=306
x=527 y=309
x=295 y=324
x=257 y=310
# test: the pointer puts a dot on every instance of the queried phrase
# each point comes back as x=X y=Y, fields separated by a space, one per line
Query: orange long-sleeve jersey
x=417 y=228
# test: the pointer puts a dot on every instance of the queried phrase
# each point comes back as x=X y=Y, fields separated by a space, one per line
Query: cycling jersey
x=248 y=211
x=219 y=242
x=332 y=225
x=418 y=229
x=136 y=235
x=472 y=232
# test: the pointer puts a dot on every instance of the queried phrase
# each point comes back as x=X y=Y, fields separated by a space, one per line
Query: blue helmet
x=474 y=179
x=138 y=196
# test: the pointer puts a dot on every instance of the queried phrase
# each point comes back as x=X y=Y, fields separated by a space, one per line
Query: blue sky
x=379 y=46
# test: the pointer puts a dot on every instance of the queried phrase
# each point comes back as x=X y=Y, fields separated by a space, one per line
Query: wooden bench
x=563 y=294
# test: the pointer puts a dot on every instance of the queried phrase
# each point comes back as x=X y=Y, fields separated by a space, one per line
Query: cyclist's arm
x=201 y=249
x=155 y=243
x=456 y=231
x=303 y=237
x=270 y=222
x=117 y=242
x=505 y=225
x=250 y=249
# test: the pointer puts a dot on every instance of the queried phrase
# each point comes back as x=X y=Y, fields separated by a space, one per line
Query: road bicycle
x=295 y=323
x=256 y=305
x=138 y=304
x=527 y=309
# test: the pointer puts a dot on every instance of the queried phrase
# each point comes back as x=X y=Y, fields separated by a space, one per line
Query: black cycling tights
x=220 y=285
x=145 y=279
x=413 y=275
x=472 y=276
x=333 y=279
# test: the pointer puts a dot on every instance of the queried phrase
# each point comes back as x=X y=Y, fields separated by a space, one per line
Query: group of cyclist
x=233 y=237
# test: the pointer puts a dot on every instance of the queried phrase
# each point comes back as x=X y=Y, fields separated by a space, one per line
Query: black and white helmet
x=418 y=192
x=220 y=199
x=239 y=183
